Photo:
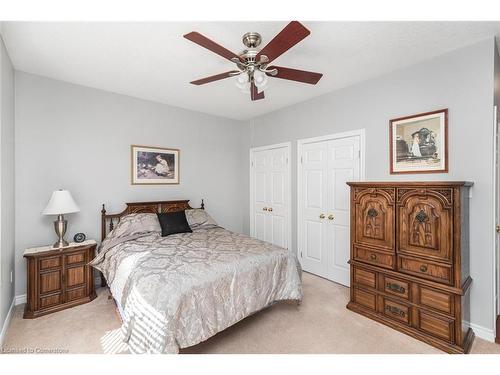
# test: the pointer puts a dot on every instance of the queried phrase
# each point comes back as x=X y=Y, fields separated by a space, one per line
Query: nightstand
x=59 y=278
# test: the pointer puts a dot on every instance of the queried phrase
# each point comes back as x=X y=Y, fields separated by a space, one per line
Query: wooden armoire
x=410 y=259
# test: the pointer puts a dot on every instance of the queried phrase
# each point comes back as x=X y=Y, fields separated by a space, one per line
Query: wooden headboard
x=108 y=221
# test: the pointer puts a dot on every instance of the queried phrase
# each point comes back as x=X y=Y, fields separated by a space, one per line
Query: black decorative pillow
x=173 y=222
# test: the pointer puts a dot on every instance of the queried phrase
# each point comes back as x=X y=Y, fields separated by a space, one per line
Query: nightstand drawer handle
x=423 y=268
x=373 y=256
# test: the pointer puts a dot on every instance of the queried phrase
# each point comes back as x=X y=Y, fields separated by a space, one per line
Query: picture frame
x=419 y=143
x=154 y=165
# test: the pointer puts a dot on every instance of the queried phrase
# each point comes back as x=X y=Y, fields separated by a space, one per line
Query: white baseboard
x=20 y=299
x=483 y=333
x=6 y=323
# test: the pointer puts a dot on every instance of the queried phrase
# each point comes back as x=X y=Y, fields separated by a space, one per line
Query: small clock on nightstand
x=59 y=278
x=79 y=237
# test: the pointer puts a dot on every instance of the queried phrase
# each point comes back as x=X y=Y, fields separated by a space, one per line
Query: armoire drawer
x=374 y=257
x=395 y=286
x=434 y=299
x=435 y=325
x=395 y=310
x=439 y=272
x=365 y=278
x=365 y=298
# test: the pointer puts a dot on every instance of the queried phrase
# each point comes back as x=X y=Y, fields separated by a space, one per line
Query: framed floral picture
x=419 y=143
x=154 y=165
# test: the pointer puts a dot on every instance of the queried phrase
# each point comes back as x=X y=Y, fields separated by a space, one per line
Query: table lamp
x=61 y=202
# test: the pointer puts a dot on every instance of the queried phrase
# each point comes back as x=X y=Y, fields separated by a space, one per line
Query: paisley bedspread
x=179 y=290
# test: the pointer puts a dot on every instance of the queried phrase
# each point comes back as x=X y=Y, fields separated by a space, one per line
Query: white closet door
x=260 y=187
x=324 y=219
x=277 y=197
x=270 y=195
x=343 y=165
x=313 y=203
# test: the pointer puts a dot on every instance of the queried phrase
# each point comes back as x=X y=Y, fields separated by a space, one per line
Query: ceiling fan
x=253 y=63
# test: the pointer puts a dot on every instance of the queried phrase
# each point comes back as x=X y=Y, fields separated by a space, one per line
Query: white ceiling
x=153 y=61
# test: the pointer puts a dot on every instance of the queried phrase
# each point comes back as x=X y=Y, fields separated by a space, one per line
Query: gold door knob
x=331 y=217
x=264 y=209
x=322 y=216
x=498 y=228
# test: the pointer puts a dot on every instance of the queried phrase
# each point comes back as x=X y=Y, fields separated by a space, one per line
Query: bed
x=176 y=291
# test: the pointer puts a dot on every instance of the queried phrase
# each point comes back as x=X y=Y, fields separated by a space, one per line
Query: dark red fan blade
x=210 y=45
x=293 y=33
x=213 y=78
x=296 y=75
x=254 y=93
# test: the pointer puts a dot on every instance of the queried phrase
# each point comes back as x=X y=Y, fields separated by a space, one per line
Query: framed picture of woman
x=419 y=143
x=154 y=165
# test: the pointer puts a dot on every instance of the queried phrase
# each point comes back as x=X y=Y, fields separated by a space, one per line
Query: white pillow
x=136 y=223
x=198 y=218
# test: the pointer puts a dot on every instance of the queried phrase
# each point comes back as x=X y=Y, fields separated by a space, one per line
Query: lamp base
x=62 y=243
x=60 y=226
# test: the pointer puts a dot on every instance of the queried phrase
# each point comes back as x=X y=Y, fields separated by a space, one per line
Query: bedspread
x=179 y=290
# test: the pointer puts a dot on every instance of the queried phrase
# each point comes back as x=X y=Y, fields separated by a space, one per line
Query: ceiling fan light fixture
x=242 y=80
x=260 y=79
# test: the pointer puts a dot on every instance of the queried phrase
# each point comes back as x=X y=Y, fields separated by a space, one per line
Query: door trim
x=300 y=144
x=288 y=203
x=497 y=338
x=496 y=201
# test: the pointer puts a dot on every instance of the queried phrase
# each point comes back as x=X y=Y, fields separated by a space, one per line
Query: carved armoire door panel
x=374 y=218
x=425 y=226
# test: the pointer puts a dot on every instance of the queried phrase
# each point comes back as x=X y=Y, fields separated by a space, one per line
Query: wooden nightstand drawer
x=75 y=258
x=50 y=281
x=75 y=294
x=59 y=278
x=52 y=300
x=50 y=262
x=75 y=276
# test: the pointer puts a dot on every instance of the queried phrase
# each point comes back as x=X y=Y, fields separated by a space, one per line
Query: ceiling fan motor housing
x=252 y=39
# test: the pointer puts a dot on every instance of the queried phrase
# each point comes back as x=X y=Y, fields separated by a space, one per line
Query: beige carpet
x=321 y=324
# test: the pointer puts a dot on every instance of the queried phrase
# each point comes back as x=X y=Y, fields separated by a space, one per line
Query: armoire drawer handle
x=373 y=256
x=423 y=268
x=322 y=216
x=395 y=288
x=395 y=311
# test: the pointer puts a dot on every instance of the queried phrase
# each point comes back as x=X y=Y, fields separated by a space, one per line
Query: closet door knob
x=264 y=209
x=322 y=216
x=270 y=209
x=331 y=217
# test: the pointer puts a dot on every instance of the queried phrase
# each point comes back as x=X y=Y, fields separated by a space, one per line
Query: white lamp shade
x=61 y=202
